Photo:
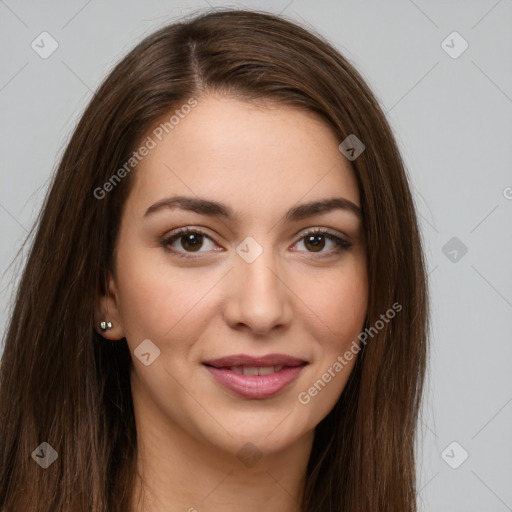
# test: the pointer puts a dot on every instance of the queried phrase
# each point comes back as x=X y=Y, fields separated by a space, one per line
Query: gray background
x=453 y=122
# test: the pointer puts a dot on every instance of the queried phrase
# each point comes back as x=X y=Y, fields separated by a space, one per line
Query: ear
x=107 y=310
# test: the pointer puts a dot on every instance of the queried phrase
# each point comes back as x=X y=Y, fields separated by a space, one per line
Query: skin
x=261 y=160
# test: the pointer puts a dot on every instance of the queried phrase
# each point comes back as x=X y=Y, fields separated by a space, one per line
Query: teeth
x=251 y=370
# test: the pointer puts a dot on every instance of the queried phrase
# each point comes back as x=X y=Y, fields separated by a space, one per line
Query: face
x=231 y=323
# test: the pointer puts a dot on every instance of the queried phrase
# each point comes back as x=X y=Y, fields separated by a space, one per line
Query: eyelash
x=341 y=244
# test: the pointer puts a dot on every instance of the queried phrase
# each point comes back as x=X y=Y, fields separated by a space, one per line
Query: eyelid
x=175 y=233
x=309 y=231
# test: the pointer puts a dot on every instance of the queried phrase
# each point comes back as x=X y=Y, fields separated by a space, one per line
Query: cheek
x=161 y=303
x=336 y=305
x=340 y=306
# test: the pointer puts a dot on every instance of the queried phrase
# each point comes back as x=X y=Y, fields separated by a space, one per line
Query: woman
x=225 y=303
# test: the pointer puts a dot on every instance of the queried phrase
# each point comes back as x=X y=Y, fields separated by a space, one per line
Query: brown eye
x=186 y=241
x=191 y=241
x=315 y=242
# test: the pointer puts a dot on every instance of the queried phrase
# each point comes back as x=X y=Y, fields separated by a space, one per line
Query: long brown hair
x=64 y=384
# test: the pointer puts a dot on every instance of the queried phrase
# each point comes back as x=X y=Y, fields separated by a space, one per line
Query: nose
x=259 y=297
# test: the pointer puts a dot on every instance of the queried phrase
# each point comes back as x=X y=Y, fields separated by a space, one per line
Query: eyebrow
x=216 y=209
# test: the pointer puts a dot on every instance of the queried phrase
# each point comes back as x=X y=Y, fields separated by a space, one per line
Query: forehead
x=254 y=156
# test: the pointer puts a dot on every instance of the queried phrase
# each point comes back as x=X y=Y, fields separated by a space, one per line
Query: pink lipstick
x=255 y=377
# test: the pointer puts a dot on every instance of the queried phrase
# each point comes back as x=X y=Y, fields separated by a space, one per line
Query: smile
x=255 y=377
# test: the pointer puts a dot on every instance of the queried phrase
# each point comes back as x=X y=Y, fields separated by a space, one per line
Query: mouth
x=255 y=377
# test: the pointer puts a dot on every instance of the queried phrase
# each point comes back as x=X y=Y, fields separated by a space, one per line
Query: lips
x=255 y=377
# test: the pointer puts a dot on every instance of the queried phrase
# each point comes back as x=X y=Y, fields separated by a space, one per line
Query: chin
x=269 y=431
